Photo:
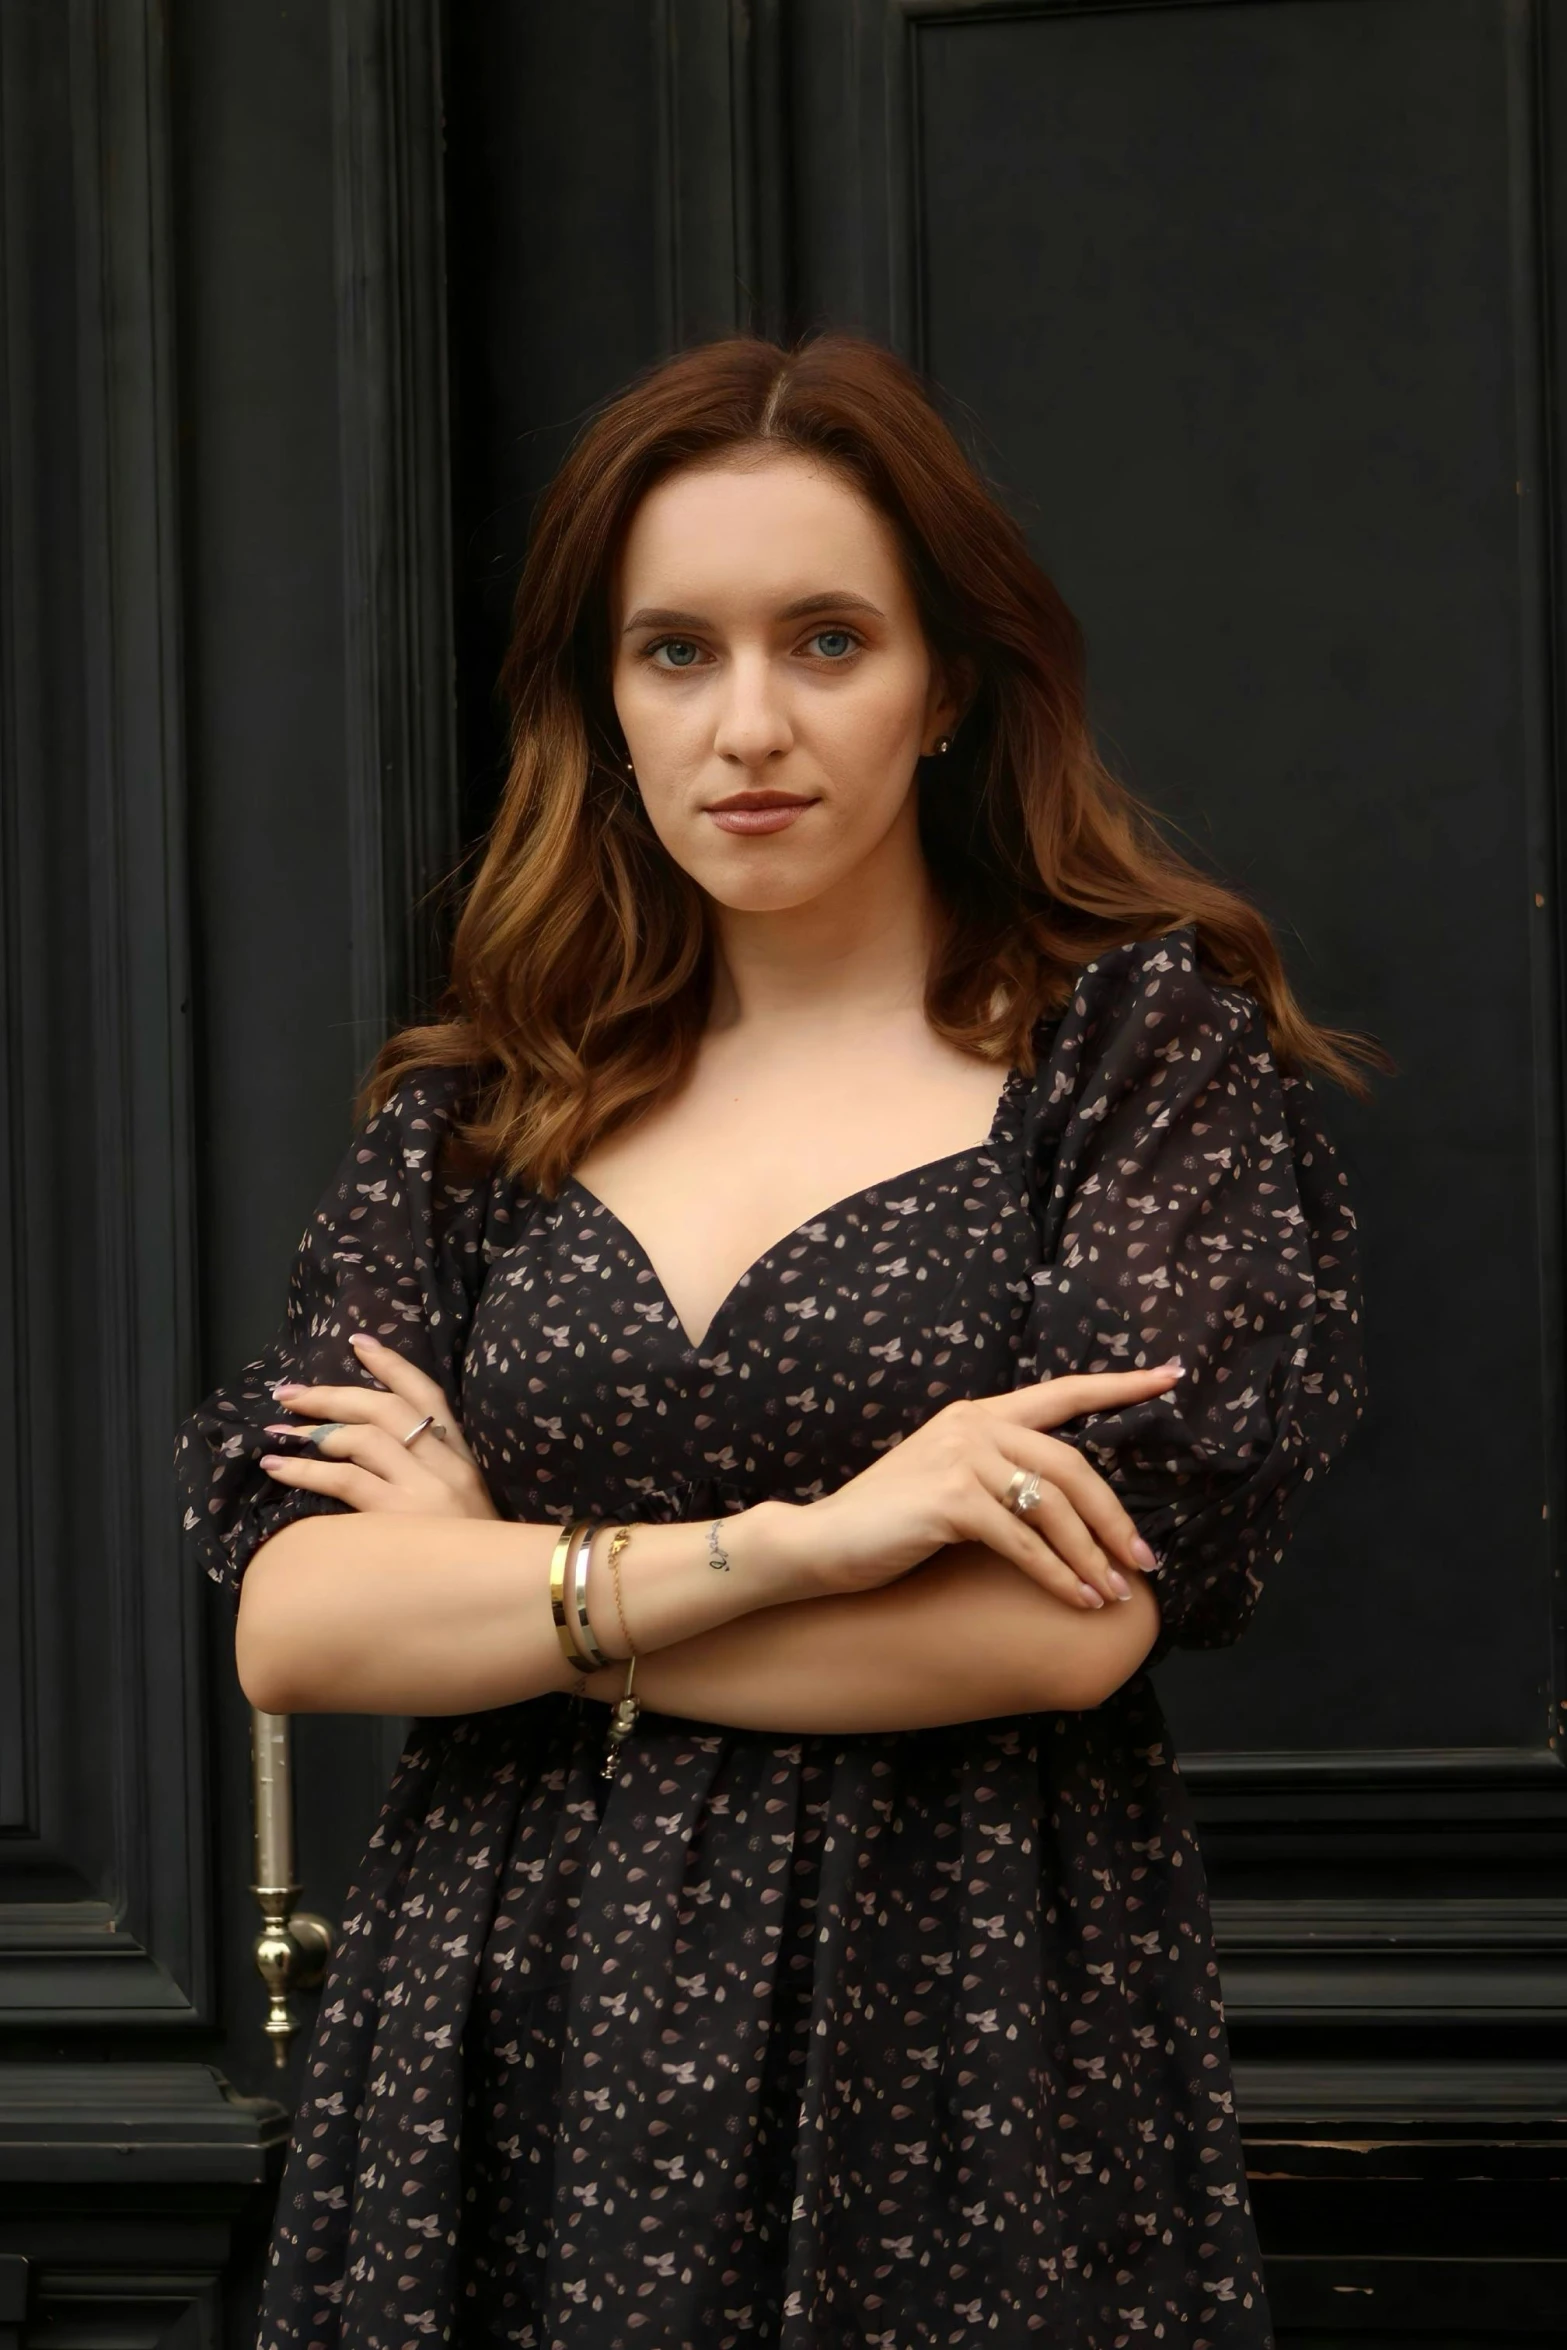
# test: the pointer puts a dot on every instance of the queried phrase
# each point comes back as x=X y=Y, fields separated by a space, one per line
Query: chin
x=761 y=881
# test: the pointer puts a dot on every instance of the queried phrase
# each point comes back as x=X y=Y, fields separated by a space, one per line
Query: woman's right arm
x=397 y=1614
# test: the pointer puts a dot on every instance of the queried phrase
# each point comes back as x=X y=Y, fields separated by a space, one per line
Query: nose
x=753 y=720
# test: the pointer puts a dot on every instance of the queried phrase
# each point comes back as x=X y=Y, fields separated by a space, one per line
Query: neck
x=858 y=952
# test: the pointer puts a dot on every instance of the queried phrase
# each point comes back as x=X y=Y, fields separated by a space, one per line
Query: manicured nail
x=1143 y=1553
x=287 y=1387
x=361 y=1338
x=1093 y=1597
x=1118 y=1584
x=273 y=1460
x=1177 y=1366
x=277 y=1428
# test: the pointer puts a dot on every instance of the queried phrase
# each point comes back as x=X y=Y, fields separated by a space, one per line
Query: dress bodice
x=582 y=1393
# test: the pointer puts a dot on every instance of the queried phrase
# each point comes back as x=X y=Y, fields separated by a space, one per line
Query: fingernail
x=1093 y=1597
x=1118 y=1584
x=360 y=1338
x=276 y=1428
x=1178 y=1367
x=287 y=1387
x=272 y=1460
x=1142 y=1553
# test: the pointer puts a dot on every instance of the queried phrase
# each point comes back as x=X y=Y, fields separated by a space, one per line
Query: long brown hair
x=581 y=966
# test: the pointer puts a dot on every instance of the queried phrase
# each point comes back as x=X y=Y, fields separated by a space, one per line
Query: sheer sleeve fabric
x=394 y=1248
x=1190 y=1205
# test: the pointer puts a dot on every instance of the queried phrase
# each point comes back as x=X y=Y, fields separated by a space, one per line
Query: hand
x=362 y=1459
x=946 y=1483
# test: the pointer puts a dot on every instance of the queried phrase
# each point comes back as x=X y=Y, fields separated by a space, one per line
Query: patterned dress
x=883 y=2040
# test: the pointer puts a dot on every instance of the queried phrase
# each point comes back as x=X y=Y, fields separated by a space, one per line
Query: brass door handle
x=293 y=1945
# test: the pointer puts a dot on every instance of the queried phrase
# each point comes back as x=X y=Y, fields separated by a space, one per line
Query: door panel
x=1231 y=293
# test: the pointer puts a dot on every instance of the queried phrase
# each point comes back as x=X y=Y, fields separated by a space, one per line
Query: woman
x=860 y=1159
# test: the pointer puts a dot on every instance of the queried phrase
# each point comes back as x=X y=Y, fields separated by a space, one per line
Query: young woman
x=866 y=1175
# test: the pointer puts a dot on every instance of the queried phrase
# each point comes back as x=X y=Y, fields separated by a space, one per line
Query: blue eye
x=838 y=645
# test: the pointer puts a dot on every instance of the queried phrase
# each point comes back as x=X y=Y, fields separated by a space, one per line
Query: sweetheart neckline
x=697 y=1348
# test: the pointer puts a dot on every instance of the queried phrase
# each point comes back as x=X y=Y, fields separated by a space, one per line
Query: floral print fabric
x=890 y=2040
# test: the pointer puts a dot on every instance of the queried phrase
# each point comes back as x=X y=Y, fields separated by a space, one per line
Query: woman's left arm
x=961 y=1638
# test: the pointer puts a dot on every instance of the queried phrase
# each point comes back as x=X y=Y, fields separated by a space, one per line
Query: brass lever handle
x=293 y=1945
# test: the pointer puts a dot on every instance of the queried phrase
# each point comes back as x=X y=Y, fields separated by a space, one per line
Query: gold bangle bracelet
x=582 y=1558
x=564 y=1541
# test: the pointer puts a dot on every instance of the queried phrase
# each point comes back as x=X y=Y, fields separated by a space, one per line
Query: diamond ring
x=1023 y=1492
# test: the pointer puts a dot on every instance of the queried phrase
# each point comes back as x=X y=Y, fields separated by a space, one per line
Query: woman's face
x=771 y=677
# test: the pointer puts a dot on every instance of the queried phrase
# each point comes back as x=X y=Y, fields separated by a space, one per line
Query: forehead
x=749 y=533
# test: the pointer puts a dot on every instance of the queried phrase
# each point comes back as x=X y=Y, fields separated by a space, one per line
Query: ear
x=953 y=685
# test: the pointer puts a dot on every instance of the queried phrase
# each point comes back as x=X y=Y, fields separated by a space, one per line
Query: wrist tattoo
x=717 y=1556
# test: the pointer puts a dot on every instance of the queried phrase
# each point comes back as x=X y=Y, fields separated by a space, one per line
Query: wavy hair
x=581 y=966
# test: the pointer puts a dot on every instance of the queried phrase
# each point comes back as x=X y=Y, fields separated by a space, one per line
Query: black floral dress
x=881 y=2040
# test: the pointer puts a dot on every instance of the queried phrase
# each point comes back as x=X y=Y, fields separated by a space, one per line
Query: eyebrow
x=830 y=600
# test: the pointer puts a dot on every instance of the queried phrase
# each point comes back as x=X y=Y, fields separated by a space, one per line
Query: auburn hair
x=581 y=965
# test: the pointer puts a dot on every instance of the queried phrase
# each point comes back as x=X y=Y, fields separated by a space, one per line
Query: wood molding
x=1302 y=1962
x=77 y=1962
x=1294 y=2098
x=1391 y=1767
x=20 y=622
x=132 y=2124
x=100 y=1211
x=394 y=436
x=723 y=176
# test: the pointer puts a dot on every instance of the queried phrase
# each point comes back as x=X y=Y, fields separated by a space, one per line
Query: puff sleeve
x=394 y=1248
x=1190 y=1204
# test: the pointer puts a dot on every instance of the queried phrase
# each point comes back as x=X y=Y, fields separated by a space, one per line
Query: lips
x=758 y=811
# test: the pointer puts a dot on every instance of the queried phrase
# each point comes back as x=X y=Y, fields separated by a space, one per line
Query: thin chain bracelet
x=717 y=1556
x=624 y=1718
x=617 y=1543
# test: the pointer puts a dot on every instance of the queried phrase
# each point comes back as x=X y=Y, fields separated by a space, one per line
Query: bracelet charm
x=622 y=1722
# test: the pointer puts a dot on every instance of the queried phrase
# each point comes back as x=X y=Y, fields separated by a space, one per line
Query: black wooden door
x=1252 y=309
x=1249 y=307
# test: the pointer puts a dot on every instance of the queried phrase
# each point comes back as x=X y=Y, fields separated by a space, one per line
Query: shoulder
x=1149 y=992
x=412 y=1126
x=398 y=1156
x=1139 y=1008
x=422 y=1102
